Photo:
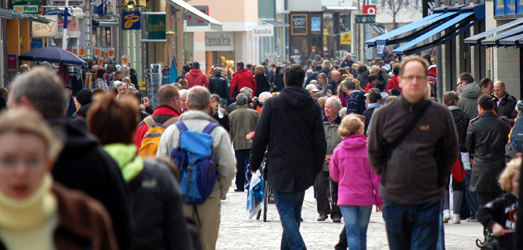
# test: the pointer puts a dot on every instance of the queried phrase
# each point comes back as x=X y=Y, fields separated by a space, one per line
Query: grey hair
x=335 y=102
x=183 y=92
x=246 y=90
x=264 y=96
x=43 y=88
x=198 y=98
x=241 y=99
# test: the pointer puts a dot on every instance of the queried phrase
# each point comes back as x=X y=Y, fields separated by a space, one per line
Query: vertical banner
x=380 y=48
x=346 y=38
x=156 y=27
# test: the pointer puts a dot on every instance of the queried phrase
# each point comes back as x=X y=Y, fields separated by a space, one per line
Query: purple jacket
x=358 y=185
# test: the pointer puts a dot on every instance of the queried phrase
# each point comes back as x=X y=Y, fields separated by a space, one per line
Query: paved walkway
x=238 y=232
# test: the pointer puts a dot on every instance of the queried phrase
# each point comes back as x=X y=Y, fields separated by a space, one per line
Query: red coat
x=394 y=83
x=240 y=79
x=368 y=87
x=196 y=77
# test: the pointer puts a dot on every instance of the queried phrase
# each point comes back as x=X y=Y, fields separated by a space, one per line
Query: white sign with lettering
x=263 y=30
x=219 y=41
x=46 y=29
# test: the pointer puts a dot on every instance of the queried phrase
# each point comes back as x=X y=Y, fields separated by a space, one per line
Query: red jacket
x=196 y=77
x=368 y=86
x=161 y=114
x=240 y=79
x=394 y=83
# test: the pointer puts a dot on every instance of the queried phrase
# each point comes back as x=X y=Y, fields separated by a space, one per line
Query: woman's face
x=23 y=164
x=321 y=80
x=214 y=105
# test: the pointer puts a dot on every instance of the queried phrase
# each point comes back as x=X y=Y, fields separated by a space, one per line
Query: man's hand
x=146 y=102
x=327 y=158
x=497 y=230
x=379 y=208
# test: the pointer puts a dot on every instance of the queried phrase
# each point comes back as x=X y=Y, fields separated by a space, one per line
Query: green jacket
x=242 y=121
x=332 y=137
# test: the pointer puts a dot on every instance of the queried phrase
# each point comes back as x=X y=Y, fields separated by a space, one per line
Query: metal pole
x=66 y=12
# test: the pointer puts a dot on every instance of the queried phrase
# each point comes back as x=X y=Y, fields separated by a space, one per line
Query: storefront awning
x=214 y=24
x=476 y=39
x=453 y=21
x=512 y=41
x=379 y=29
x=274 y=23
x=15 y=15
x=495 y=40
x=426 y=21
x=338 y=8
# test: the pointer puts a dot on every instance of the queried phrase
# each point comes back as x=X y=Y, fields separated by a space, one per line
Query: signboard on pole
x=346 y=38
x=46 y=29
x=154 y=24
x=26 y=8
x=131 y=20
x=380 y=48
x=365 y=18
x=368 y=9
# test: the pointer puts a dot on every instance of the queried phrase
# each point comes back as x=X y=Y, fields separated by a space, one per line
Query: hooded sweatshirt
x=196 y=77
x=468 y=99
x=358 y=185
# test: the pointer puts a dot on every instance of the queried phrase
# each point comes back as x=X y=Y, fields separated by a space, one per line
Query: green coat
x=242 y=121
x=332 y=137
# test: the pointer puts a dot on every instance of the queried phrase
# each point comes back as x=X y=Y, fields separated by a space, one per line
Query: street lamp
x=130 y=4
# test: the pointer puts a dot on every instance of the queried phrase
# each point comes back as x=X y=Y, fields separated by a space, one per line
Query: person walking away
x=82 y=158
x=330 y=123
x=461 y=121
x=290 y=129
x=278 y=80
x=242 y=78
x=83 y=102
x=356 y=103
x=158 y=220
x=469 y=93
x=196 y=77
x=262 y=84
x=413 y=159
x=242 y=121
x=372 y=103
x=487 y=136
x=505 y=103
x=150 y=129
x=219 y=85
x=498 y=216
x=35 y=211
x=196 y=119
x=358 y=184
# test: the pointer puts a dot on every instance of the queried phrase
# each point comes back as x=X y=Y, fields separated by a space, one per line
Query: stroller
x=260 y=191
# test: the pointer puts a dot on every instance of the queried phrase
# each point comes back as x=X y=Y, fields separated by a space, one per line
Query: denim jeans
x=413 y=227
x=289 y=207
x=356 y=222
x=470 y=197
x=242 y=159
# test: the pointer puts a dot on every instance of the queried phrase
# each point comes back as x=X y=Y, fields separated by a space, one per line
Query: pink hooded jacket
x=358 y=185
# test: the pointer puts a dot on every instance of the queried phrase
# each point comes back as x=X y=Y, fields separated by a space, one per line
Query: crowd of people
x=102 y=168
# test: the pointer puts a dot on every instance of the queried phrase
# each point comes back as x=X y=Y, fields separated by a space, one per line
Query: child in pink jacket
x=357 y=184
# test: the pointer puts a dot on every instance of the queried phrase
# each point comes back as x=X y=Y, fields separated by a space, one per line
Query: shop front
x=219 y=49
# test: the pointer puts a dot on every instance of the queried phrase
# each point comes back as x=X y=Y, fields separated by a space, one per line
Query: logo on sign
x=131 y=20
x=380 y=49
x=369 y=9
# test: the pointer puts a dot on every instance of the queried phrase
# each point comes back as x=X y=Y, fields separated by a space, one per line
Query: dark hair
x=196 y=65
x=450 y=98
x=294 y=75
x=467 y=77
x=427 y=57
x=486 y=102
x=121 y=114
x=166 y=94
x=373 y=77
x=100 y=73
x=362 y=69
x=249 y=66
x=484 y=82
x=396 y=70
x=374 y=95
x=241 y=65
x=186 y=68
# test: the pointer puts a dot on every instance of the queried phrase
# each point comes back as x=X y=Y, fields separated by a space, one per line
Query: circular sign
x=371 y=11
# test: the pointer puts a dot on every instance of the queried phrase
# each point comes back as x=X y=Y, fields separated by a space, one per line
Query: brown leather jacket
x=83 y=222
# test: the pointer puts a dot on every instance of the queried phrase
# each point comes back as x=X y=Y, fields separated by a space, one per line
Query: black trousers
x=486 y=197
x=322 y=199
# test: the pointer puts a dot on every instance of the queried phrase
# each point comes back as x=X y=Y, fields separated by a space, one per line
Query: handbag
x=457 y=170
x=490 y=243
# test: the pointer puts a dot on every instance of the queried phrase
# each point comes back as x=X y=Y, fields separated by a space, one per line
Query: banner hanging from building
x=346 y=38
x=155 y=26
x=131 y=20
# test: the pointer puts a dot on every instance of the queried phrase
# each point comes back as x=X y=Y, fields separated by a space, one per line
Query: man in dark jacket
x=347 y=63
x=415 y=173
x=291 y=129
x=82 y=164
x=83 y=102
x=363 y=76
x=487 y=136
x=242 y=78
x=505 y=103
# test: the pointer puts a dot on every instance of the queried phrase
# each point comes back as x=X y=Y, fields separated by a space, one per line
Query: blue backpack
x=196 y=163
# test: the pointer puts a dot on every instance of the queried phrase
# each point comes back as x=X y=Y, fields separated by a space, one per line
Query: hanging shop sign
x=299 y=24
x=263 y=31
x=104 y=7
x=45 y=29
x=219 y=41
x=155 y=26
x=510 y=7
x=131 y=20
x=346 y=38
x=315 y=23
x=26 y=8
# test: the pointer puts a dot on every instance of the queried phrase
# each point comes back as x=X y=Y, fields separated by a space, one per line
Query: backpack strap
x=181 y=126
x=149 y=120
x=169 y=122
x=209 y=128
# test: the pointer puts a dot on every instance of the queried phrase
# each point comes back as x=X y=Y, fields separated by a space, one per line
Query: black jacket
x=278 y=82
x=501 y=210
x=461 y=120
x=158 y=218
x=84 y=165
x=291 y=129
x=218 y=85
x=487 y=136
x=507 y=106
x=363 y=77
x=262 y=84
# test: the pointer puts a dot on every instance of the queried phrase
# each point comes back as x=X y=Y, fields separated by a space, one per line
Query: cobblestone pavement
x=238 y=232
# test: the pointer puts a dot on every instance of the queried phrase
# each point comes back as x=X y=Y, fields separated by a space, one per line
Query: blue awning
x=431 y=19
x=461 y=18
x=516 y=40
x=494 y=41
x=476 y=39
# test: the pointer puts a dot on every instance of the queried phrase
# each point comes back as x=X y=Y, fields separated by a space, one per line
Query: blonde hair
x=259 y=70
x=322 y=101
x=350 y=125
x=326 y=64
x=505 y=179
x=25 y=121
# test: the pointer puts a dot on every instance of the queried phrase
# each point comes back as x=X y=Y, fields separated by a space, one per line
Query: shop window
x=344 y=23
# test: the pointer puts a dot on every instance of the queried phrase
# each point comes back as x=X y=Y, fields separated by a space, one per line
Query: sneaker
x=455 y=219
x=446 y=216
x=472 y=219
x=322 y=217
x=336 y=219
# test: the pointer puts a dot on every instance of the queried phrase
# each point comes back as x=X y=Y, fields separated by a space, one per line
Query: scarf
x=125 y=155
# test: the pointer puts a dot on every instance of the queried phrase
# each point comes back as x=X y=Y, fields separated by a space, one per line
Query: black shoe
x=336 y=219
x=238 y=190
x=322 y=217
